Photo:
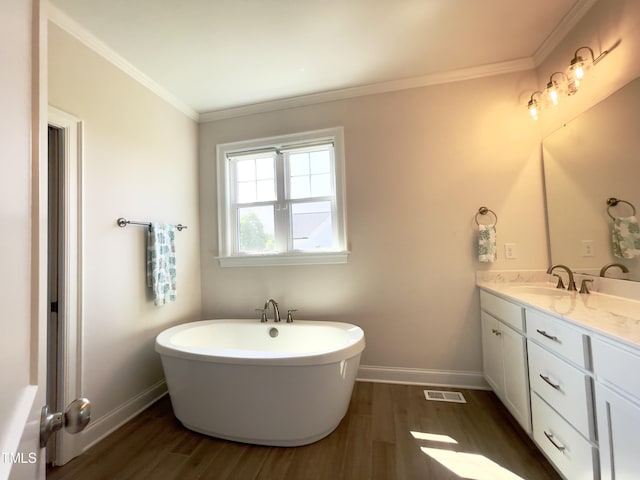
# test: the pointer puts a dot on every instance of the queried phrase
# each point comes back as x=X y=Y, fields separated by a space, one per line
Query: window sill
x=280 y=259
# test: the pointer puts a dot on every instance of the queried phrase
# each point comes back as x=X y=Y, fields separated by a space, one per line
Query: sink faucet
x=572 y=284
x=276 y=312
x=607 y=267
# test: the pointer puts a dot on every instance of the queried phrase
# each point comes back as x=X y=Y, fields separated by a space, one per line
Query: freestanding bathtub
x=281 y=384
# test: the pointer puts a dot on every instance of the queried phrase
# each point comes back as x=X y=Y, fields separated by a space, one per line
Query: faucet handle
x=583 y=285
x=263 y=314
x=560 y=284
x=290 y=315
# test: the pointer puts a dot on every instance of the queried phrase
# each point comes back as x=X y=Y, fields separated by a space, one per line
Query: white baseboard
x=106 y=424
x=416 y=376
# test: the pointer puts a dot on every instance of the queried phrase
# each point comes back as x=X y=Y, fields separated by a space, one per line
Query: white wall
x=419 y=164
x=140 y=162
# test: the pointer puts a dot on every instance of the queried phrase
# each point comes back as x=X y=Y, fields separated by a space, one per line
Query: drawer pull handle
x=546 y=379
x=496 y=332
x=550 y=337
x=555 y=444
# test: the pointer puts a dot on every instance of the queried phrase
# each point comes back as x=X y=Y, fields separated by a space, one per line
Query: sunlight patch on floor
x=470 y=465
x=433 y=437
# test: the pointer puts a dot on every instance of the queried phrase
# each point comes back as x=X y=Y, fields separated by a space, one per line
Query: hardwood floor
x=373 y=441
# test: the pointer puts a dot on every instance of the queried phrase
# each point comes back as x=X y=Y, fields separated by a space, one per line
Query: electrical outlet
x=510 y=251
x=588 y=248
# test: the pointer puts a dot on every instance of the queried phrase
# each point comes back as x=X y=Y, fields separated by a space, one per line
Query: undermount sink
x=540 y=290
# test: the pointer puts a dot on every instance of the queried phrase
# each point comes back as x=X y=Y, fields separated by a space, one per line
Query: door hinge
x=54 y=307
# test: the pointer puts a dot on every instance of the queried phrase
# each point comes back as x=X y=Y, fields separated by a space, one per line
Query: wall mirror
x=592 y=158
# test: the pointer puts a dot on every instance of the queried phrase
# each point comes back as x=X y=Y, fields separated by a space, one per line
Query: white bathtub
x=242 y=380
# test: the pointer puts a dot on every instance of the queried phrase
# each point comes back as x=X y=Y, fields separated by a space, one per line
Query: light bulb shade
x=555 y=88
x=533 y=109
x=534 y=106
x=578 y=68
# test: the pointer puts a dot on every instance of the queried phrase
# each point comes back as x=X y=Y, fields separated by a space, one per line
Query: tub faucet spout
x=276 y=312
x=571 y=283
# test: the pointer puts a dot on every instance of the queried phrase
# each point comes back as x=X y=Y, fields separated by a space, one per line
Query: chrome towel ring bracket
x=613 y=202
x=485 y=211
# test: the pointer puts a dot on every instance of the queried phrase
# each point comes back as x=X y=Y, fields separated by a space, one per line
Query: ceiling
x=220 y=55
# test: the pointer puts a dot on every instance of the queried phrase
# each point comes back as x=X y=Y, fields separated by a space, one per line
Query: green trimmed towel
x=487 y=242
x=161 y=263
x=625 y=237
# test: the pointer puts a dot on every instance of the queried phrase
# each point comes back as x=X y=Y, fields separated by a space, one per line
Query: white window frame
x=227 y=257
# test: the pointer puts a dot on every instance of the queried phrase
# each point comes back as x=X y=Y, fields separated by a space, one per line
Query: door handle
x=74 y=419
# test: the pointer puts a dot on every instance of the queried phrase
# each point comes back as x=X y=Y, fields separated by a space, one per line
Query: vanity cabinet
x=582 y=398
x=504 y=355
x=618 y=409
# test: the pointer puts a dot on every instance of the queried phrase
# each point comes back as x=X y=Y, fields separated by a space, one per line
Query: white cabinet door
x=492 y=354
x=505 y=367
x=516 y=378
x=618 y=427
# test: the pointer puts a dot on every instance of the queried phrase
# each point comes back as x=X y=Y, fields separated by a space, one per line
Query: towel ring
x=484 y=211
x=613 y=202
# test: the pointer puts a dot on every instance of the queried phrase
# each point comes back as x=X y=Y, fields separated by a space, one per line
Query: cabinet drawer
x=574 y=456
x=507 y=312
x=554 y=334
x=564 y=387
x=617 y=366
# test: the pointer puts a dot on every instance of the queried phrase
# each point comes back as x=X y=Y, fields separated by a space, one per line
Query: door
x=23 y=238
x=64 y=339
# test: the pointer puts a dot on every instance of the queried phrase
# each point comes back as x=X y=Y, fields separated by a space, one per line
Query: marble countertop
x=615 y=317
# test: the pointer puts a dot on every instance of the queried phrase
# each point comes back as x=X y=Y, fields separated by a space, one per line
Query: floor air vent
x=440 y=396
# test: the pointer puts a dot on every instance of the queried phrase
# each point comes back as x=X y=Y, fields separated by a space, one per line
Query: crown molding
x=73 y=28
x=580 y=8
x=373 y=89
x=570 y=20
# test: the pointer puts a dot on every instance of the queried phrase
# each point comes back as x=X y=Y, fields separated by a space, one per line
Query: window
x=281 y=200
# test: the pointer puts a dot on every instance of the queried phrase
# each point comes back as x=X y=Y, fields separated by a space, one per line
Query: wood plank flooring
x=373 y=441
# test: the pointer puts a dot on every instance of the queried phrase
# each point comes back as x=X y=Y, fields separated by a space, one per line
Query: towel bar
x=123 y=222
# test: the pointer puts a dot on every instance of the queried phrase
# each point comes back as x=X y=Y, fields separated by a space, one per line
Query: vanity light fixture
x=535 y=104
x=561 y=83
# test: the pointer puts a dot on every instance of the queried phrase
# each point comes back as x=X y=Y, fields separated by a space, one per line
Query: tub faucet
x=572 y=284
x=604 y=269
x=276 y=312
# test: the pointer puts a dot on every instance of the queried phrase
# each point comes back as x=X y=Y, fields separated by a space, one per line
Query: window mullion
x=282 y=208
